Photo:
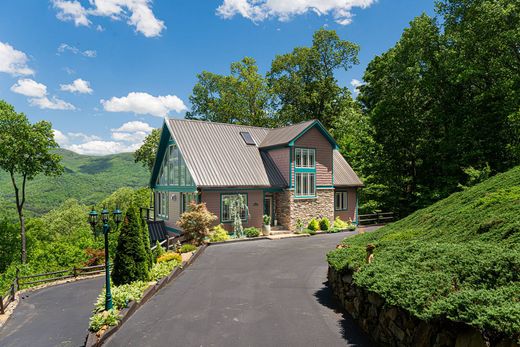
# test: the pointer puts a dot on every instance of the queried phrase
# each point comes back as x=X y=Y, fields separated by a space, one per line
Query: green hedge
x=459 y=258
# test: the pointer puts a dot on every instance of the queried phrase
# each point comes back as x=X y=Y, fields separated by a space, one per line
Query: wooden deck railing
x=376 y=218
x=29 y=280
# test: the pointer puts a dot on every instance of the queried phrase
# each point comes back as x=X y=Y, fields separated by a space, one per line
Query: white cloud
x=144 y=103
x=71 y=11
x=127 y=138
x=259 y=10
x=135 y=126
x=78 y=86
x=29 y=87
x=54 y=104
x=138 y=13
x=12 y=61
x=356 y=84
x=89 y=53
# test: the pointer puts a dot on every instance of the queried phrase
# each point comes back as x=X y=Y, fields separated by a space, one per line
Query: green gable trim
x=268 y=189
x=164 y=142
x=173 y=230
x=322 y=130
x=290 y=166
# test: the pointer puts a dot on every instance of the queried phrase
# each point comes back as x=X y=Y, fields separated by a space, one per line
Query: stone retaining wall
x=391 y=326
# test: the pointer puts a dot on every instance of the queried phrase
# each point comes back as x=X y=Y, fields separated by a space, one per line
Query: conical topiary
x=146 y=242
x=131 y=260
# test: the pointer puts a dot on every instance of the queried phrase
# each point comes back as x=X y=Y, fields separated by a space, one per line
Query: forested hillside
x=89 y=179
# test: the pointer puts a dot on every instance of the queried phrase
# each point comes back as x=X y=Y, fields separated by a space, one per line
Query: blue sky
x=104 y=72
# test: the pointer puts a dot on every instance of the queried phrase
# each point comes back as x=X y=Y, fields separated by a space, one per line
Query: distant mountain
x=86 y=178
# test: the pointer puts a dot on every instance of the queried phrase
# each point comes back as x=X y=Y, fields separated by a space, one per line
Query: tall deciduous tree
x=25 y=152
x=148 y=150
x=239 y=98
x=304 y=84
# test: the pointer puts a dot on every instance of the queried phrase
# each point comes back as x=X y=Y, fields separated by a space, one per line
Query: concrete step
x=280 y=232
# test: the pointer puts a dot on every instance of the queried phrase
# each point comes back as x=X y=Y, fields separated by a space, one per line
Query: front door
x=268 y=207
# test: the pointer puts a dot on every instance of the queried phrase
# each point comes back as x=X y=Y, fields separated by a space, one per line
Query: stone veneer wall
x=289 y=209
x=392 y=326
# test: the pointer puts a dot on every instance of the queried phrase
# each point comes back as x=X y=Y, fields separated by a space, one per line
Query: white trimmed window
x=162 y=205
x=305 y=157
x=226 y=216
x=341 y=201
x=305 y=184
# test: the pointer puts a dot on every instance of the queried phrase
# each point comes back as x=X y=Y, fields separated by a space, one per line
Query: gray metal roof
x=216 y=154
x=344 y=176
x=274 y=175
x=284 y=135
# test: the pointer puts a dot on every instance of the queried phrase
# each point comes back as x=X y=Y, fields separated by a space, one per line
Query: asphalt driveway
x=53 y=316
x=261 y=293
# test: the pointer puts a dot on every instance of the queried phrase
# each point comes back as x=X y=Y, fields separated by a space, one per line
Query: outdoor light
x=92 y=217
x=117 y=215
x=104 y=215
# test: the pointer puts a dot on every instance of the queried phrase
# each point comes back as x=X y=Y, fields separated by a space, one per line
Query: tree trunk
x=22 y=234
x=19 y=207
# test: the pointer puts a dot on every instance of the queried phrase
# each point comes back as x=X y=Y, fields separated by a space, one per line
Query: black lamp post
x=93 y=218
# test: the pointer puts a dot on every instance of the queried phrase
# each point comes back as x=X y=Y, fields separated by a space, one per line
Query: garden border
x=92 y=340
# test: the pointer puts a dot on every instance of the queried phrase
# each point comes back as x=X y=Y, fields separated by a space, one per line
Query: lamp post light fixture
x=93 y=219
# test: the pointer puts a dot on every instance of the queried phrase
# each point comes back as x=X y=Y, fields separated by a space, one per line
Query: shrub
x=339 y=224
x=163 y=269
x=252 y=232
x=196 y=222
x=105 y=318
x=95 y=257
x=158 y=251
x=267 y=219
x=299 y=225
x=218 y=234
x=131 y=260
x=313 y=225
x=169 y=256
x=187 y=248
x=324 y=224
x=122 y=295
x=309 y=231
x=146 y=241
x=334 y=230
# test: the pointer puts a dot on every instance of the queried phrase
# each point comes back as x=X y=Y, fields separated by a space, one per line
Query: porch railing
x=377 y=218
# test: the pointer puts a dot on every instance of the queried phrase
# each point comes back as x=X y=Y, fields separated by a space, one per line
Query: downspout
x=357 y=214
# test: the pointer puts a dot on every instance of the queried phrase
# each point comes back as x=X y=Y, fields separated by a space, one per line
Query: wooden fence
x=377 y=218
x=29 y=280
x=170 y=242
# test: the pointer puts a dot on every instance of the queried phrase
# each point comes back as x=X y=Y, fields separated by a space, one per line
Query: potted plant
x=266 y=228
x=299 y=226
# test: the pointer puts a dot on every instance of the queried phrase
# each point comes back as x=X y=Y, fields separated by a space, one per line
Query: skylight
x=248 y=139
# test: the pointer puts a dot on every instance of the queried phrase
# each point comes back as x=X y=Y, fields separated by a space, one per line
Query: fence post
x=74 y=272
x=1 y=304
x=13 y=292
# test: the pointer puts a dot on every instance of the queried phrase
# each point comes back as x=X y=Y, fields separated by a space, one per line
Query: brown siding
x=351 y=211
x=280 y=157
x=324 y=155
x=255 y=203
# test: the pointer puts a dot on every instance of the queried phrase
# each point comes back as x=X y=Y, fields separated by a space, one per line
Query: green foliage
x=309 y=231
x=324 y=224
x=187 y=248
x=148 y=151
x=122 y=295
x=313 y=225
x=101 y=319
x=169 y=256
x=9 y=241
x=339 y=224
x=266 y=219
x=252 y=232
x=197 y=222
x=440 y=104
x=131 y=260
x=163 y=269
x=158 y=251
x=218 y=234
x=241 y=97
x=459 y=258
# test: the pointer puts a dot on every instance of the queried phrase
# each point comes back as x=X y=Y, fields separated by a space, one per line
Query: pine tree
x=131 y=260
x=146 y=242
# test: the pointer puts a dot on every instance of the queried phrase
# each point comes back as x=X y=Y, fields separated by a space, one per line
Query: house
x=289 y=173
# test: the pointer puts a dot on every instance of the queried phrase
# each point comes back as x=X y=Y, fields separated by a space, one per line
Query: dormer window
x=248 y=139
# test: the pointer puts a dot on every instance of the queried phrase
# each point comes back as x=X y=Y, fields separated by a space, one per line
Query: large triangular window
x=174 y=171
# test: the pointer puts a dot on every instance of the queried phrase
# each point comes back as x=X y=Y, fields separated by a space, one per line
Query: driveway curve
x=52 y=316
x=260 y=293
